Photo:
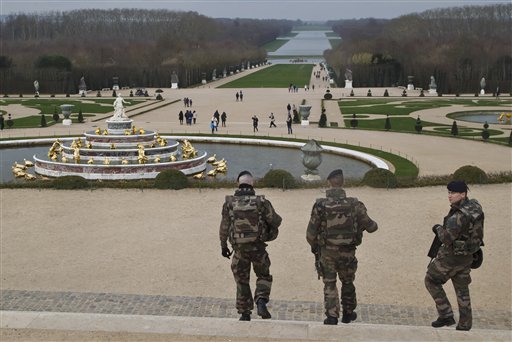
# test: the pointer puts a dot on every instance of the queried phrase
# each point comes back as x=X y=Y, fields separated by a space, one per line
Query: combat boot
x=245 y=317
x=458 y=327
x=348 y=317
x=330 y=320
x=441 y=322
x=262 y=309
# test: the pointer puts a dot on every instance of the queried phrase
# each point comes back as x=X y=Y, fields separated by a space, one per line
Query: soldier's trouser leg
x=261 y=266
x=435 y=278
x=331 y=297
x=460 y=282
x=241 y=267
x=347 y=274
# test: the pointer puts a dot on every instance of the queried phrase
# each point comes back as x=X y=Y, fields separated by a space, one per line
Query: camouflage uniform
x=337 y=260
x=447 y=266
x=249 y=253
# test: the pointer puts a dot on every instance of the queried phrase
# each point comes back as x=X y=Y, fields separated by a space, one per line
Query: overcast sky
x=258 y=9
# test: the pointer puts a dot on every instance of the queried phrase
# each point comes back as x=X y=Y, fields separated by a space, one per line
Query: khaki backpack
x=246 y=219
x=339 y=224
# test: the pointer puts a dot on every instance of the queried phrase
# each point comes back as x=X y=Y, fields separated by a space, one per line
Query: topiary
x=352 y=92
x=323 y=120
x=70 y=182
x=279 y=179
x=159 y=97
x=470 y=174
x=43 y=121
x=455 y=130
x=380 y=178
x=418 y=126
x=171 y=179
x=354 y=122
x=80 y=116
x=386 y=93
x=387 y=123
x=327 y=95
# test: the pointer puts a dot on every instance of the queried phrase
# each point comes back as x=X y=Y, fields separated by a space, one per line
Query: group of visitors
x=189 y=116
x=187 y=102
x=216 y=118
x=239 y=96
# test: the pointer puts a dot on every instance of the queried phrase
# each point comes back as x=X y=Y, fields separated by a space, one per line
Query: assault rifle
x=318 y=265
x=434 y=247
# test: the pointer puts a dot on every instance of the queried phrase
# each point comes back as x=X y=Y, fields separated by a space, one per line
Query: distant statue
x=433 y=84
x=174 y=80
x=482 y=86
x=82 y=87
x=119 y=113
x=348 y=74
x=36 y=87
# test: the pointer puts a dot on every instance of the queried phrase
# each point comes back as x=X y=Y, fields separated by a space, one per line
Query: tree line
x=141 y=47
x=458 y=46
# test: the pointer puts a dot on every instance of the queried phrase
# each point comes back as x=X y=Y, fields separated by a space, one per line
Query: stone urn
x=305 y=111
x=66 y=111
x=311 y=159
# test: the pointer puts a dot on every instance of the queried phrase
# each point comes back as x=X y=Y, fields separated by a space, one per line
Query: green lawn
x=47 y=106
x=276 y=76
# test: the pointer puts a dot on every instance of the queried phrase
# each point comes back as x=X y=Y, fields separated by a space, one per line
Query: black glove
x=226 y=253
x=434 y=228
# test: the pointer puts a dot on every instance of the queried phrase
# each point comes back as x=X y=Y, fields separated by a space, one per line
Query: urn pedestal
x=311 y=159
x=66 y=111
x=304 y=111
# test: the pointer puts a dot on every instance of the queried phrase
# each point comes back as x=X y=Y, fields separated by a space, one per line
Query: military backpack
x=247 y=223
x=471 y=242
x=339 y=224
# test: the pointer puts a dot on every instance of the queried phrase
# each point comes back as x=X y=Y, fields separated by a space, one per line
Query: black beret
x=457 y=186
x=335 y=173
x=243 y=173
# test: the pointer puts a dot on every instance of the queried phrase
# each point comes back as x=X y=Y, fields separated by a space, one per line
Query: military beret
x=457 y=186
x=243 y=173
x=335 y=173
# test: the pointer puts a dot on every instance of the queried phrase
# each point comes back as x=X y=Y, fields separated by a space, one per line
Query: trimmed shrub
x=386 y=93
x=21 y=95
x=369 y=93
x=470 y=174
x=98 y=94
x=323 y=120
x=9 y=122
x=55 y=117
x=352 y=92
x=171 y=179
x=80 y=116
x=422 y=94
x=404 y=93
x=114 y=94
x=70 y=183
x=159 y=97
x=387 y=124
x=354 y=122
x=418 y=126
x=455 y=129
x=279 y=179
x=43 y=121
x=380 y=178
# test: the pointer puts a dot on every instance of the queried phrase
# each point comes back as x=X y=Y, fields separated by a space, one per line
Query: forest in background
x=458 y=46
x=141 y=47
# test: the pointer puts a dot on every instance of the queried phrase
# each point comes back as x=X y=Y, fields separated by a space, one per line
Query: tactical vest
x=245 y=216
x=470 y=241
x=339 y=224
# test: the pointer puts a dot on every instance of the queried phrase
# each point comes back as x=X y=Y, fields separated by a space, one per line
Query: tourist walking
x=213 y=125
x=460 y=236
x=237 y=95
x=255 y=123
x=249 y=221
x=2 y=122
x=223 y=118
x=289 y=124
x=272 y=120
x=180 y=117
x=334 y=231
x=194 y=116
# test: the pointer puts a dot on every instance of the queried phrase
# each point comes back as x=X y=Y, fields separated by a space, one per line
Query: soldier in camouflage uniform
x=252 y=252
x=461 y=235
x=335 y=229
